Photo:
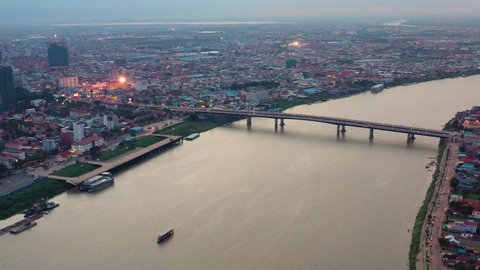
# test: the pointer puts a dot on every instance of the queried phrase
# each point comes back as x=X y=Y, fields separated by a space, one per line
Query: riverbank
x=24 y=198
x=50 y=187
x=418 y=227
x=196 y=125
x=190 y=125
x=272 y=181
x=202 y=125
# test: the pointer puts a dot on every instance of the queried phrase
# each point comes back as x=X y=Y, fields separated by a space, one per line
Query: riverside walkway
x=341 y=123
x=119 y=161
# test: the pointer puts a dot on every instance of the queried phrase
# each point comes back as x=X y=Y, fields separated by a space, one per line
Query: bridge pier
x=338 y=130
x=371 y=134
x=343 y=129
x=249 y=121
x=410 y=137
x=282 y=122
x=276 y=122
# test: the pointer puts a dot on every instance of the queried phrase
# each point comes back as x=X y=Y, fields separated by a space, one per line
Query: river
x=299 y=198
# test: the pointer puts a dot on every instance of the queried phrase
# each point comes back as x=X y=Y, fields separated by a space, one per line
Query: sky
x=71 y=11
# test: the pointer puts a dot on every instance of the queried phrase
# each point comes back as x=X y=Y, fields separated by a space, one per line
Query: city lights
x=122 y=79
x=294 y=44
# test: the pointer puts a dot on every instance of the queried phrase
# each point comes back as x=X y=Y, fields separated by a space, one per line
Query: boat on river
x=192 y=137
x=97 y=183
x=23 y=227
x=165 y=235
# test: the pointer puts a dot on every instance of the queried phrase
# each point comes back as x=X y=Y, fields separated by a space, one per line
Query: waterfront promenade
x=119 y=161
x=430 y=255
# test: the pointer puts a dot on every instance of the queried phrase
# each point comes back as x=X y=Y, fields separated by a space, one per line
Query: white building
x=37 y=102
x=68 y=82
x=110 y=121
x=48 y=145
x=476 y=213
x=87 y=144
x=78 y=131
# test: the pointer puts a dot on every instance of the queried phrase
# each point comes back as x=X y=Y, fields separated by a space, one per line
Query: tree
x=95 y=152
x=193 y=117
x=454 y=182
x=3 y=168
x=466 y=210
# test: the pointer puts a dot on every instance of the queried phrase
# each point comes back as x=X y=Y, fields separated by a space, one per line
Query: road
x=429 y=245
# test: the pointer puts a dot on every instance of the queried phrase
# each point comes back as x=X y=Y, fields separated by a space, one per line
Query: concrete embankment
x=121 y=161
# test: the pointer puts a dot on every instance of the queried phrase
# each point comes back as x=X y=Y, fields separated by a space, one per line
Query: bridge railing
x=323 y=119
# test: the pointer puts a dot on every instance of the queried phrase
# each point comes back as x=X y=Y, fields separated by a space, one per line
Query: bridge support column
x=343 y=129
x=338 y=130
x=371 y=134
x=249 y=121
x=282 y=122
x=276 y=122
x=410 y=137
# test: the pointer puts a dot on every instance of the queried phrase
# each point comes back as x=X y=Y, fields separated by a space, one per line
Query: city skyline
x=56 y=11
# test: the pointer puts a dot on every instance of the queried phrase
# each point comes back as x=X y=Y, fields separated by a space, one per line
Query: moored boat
x=51 y=205
x=97 y=183
x=23 y=227
x=165 y=235
x=192 y=137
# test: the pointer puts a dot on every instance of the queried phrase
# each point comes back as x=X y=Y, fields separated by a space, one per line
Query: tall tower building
x=78 y=131
x=58 y=53
x=7 y=89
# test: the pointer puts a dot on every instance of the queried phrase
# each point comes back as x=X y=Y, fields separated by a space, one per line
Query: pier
x=122 y=161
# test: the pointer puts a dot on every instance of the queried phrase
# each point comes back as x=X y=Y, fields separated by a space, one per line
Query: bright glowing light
x=294 y=44
x=122 y=79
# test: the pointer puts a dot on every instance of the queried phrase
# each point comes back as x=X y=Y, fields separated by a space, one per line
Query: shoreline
x=188 y=126
x=199 y=126
x=418 y=231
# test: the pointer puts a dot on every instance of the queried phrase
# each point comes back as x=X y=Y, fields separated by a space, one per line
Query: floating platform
x=192 y=137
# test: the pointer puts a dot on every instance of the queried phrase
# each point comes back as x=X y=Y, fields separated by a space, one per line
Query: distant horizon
x=152 y=22
x=106 y=11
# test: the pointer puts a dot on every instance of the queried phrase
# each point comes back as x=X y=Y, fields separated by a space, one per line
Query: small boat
x=51 y=205
x=165 y=235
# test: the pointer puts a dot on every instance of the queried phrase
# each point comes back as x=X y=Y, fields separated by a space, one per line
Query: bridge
x=341 y=123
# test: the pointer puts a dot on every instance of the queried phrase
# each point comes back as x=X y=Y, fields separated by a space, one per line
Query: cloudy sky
x=13 y=11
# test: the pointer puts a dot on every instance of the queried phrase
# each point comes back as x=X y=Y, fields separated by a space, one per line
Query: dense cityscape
x=90 y=83
x=79 y=98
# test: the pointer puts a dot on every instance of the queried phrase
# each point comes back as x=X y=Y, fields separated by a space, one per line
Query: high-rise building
x=78 y=131
x=58 y=53
x=7 y=89
x=110 y=121
x=48 y=145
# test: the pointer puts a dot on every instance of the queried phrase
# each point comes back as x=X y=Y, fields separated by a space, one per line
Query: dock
x=120 y=161
x=21 y=222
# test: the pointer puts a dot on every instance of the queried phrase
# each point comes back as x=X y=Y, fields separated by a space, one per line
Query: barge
x=23 y=227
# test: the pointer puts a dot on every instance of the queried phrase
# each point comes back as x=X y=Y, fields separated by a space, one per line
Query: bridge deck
x=322 y=119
